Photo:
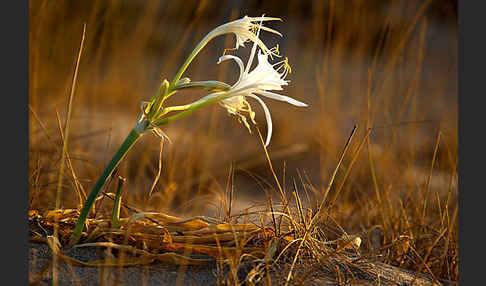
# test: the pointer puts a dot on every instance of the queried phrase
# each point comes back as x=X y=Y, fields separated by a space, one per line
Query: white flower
x=264 y=77
x=244 y=30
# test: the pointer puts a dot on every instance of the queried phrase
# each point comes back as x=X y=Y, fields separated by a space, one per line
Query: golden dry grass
x=389 y=68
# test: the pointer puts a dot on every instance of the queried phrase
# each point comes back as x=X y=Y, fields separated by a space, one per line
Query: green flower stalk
x=115 y=215
x=131 y=139
x=153 y=114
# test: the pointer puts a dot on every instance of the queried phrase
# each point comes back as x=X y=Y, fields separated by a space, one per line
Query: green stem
x=189 y=59
x=209 y=85
x=132 y=137
x=205 y=101
x=115 y=217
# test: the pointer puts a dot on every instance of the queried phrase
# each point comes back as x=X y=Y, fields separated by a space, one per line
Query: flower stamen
x=274 y=52
x=287 y=65
x=283 y=67
x=228 y=49
x=254 y=28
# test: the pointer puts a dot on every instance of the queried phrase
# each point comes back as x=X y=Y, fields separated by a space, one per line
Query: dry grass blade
x=331 y=181
x=214 y=251
x=348 y=170
x=424 y=261
x=42 y=125
x=68 y=119
x=65 y=143
x=159 y=169
x=207 y=239
x=400 y=47
x=77 y=185
x=317 y=215
x=138 y=216
x=282 y=194
x=193 y=223
x=429 y=178
x=224 y=228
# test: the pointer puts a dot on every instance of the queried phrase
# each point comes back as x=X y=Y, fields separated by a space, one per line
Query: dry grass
x=390 y=69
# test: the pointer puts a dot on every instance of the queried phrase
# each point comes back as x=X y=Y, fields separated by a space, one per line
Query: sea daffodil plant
x=262 y=80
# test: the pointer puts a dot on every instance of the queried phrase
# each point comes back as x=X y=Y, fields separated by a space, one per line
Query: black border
x=14 y=119
x=471 y=83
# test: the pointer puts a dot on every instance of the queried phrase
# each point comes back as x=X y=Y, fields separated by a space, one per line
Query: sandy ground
x=40 y=273
x=40 y=270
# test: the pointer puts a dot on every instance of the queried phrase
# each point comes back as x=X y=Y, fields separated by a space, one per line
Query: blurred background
x=386 y=65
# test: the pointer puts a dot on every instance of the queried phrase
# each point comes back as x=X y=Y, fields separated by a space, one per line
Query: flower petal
x=237 y=60
x=271 y=30
x=263 y=18
x=282 y=98
x=253 y=49
x=267 y=117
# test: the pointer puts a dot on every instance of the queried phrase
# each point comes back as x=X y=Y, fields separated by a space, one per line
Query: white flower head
x=264 y=77
x=245 y=30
